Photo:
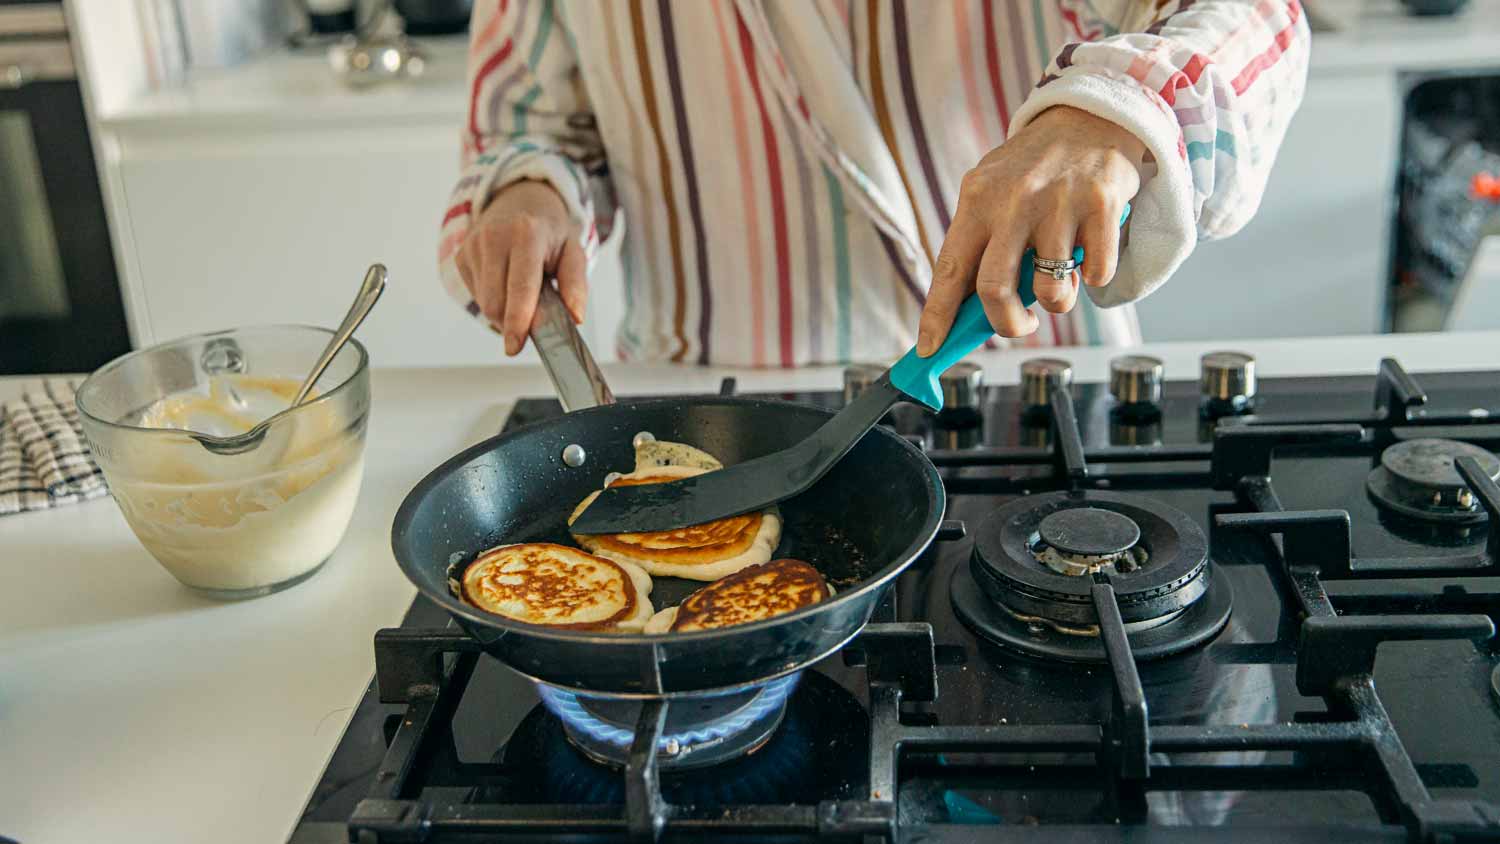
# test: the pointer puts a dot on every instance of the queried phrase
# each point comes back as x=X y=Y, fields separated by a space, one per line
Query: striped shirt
x=787 y=169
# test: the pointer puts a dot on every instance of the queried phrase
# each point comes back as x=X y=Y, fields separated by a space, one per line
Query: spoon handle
x=369 y=292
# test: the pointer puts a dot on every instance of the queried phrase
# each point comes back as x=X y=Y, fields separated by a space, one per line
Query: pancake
x=558 y=586
x=652 y=453
x=751 y=594
x=702 y=552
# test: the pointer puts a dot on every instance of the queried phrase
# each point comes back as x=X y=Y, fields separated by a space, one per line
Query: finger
x=1069 y=295
x=572 y=279
x=489 y=287
x=1053 y=240
x=1070 y=299
x=995 y=283
x=952 y=281
x=1100 y=236
x=523 y=282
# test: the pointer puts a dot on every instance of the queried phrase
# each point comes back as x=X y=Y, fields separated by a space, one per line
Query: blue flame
x=566 y=706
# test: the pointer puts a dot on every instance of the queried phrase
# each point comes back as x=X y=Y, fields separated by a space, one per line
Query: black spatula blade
x=743 y=487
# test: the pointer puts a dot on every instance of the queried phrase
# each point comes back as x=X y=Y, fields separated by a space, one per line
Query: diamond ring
x=1059 y=270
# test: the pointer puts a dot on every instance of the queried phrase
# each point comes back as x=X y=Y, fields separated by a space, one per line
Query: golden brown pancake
x=542 y=583
x=701 y=552
x=751 y=594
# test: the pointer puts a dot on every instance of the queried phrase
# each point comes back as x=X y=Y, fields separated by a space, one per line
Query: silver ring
x=1059 y=270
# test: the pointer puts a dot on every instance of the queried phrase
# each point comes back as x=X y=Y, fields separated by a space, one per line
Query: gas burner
x=700 y=731
x=1417 y=478
x=1091 y=526
x=818 y=753
x=1035 y=560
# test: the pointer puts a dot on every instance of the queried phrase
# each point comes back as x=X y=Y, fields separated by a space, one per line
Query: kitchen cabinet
x=245 y=228
x=251 y=226
x=267 y=227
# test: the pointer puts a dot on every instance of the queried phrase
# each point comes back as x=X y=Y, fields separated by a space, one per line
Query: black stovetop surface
x=1237 y=745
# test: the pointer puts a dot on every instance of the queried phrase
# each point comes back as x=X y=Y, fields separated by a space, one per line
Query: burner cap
x=1430 y=461
x=1089 y=531
x=1417 y=478
x=1153 y=555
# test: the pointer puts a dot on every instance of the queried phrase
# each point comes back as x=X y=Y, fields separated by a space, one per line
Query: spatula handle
x=917 y=376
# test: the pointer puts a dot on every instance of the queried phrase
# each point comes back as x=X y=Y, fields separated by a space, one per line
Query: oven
x=60 y=302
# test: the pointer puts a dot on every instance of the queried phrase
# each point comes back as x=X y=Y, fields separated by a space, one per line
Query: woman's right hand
x=522 y=236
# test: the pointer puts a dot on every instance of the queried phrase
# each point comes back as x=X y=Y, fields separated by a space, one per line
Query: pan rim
x=890 y=571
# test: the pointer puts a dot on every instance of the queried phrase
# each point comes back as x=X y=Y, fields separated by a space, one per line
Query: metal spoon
x=364 y=300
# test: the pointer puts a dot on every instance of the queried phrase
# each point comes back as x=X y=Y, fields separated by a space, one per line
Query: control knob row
x=1226 y=381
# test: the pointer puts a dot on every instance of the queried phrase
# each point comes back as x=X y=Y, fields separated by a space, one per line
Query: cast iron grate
x=1355 y=746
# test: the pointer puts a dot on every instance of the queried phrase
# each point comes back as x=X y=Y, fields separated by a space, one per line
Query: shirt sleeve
x=1210 y=87
x=528 y=118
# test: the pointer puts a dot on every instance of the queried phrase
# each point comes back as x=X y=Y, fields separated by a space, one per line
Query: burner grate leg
x=1128 y=737
x=1396 y=392
x=1488 y=493
x=1339 y=651
x=1070 y=459
x=645 y=810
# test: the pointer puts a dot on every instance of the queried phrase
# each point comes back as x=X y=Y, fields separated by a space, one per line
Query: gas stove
x=1212 y=610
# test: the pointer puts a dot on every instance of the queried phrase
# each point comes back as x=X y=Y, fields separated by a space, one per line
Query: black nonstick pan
x=861 y=525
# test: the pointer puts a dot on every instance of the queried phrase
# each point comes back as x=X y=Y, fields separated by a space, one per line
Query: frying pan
x=861 y=525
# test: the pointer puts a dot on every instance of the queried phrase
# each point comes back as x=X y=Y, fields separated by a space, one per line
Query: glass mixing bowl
x=232 y=525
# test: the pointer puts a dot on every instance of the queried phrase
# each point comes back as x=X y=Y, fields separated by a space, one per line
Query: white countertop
x=131 y=705
x=297 y=91
x=1386 y=37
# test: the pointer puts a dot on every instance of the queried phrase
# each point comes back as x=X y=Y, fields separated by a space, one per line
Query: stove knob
x=859 y=376
x=1039 y=376
x=1135 y=380
x=1227 y=380
x=961 y=383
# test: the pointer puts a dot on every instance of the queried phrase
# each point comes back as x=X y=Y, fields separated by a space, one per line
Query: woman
x=812 y=181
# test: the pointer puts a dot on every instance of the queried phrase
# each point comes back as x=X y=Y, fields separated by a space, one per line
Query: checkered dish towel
x=44 y=461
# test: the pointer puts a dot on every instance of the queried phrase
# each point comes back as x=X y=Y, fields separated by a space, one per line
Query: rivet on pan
x=672 y=747
x=642 y=438
x=574 y=455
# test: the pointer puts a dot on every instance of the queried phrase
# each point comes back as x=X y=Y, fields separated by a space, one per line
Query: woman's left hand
x=1061 y=181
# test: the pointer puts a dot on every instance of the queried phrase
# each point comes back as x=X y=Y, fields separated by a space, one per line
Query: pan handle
x=574 y=374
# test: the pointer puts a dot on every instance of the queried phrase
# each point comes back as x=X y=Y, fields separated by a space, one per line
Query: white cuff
x=1162 y=227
